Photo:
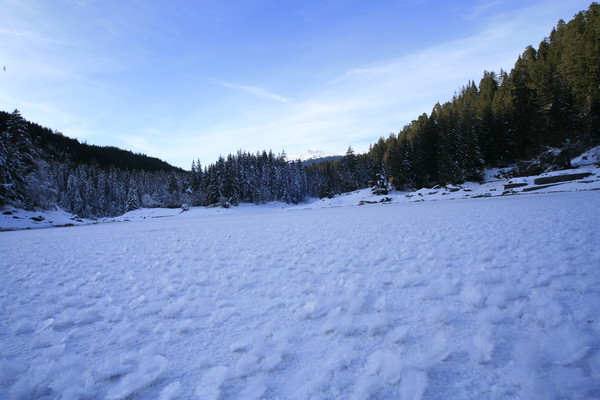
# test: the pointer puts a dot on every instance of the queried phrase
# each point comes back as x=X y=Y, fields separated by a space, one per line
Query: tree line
x=40 y=169
x=551 y=98
x=249 y=178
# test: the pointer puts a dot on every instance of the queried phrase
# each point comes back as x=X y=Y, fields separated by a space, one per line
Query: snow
x=491 y=295
x=310 y=155
x=473 y=298
x=11 y=219
x=493 y=186
x=589 y=157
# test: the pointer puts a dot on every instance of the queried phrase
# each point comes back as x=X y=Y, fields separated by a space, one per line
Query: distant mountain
x=310 y=155
x=309 y=162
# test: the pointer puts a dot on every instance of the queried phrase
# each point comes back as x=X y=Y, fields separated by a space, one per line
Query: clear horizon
x=195 y=80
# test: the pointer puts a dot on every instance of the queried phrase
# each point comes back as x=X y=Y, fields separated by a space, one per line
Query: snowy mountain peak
x=310 y=155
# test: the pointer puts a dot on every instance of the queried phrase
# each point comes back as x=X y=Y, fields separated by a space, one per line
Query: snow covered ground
x=493 y=186
x=15 y=219
x=487 y=298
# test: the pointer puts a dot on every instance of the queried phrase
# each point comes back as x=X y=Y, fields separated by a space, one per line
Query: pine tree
x=502 y=151
x=133 y=198
x=328 y=186
x=470 y=130
x=379 y=182
x=449 y=150
x=401 y=163
x=6 y=174
x=90 y=196
x=101 y=205
x=525 y=119
x=40 y=191
x=349 y=173
x=488 y=87
x=231 y=184
x=17 y=160
x=395 y=162
x=425 y=151
x=74 y=202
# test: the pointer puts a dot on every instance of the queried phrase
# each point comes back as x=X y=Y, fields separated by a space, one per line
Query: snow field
x=486 y=298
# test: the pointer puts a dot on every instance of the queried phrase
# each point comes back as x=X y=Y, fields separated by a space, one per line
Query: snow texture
x=491 y=298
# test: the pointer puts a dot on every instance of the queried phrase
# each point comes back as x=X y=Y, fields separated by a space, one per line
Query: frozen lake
x=485 y=298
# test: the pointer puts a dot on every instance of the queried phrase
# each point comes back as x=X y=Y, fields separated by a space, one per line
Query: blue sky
x=182 y=80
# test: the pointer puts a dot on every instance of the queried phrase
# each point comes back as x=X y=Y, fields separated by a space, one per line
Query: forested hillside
x=40 y=168
x=549 y=100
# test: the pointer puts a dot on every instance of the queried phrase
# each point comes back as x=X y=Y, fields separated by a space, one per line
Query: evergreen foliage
x=254 y=178
x=40 y=168
x=551 y=98
x=349 y=172
x=17 y=159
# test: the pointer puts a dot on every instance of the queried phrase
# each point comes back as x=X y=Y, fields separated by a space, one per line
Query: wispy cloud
x=102 y=80
x=370 y=101
x=28 y=36
x=256 y=91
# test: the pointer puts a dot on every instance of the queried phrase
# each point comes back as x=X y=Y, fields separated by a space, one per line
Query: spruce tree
x=17 y=160
x=328 y=184
x=349 y=173
x=133 y=198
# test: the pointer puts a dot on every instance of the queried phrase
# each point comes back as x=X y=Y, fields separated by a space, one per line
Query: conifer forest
x=550 y=99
